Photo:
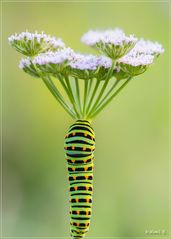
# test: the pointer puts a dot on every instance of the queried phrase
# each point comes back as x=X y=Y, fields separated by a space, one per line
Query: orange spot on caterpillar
x=74 y=177
x=86 y=177
x=85 y=134
x=84 y=149
x=73 y=147
x=77 y=199
x=86 y=168
x=75 y=188
x=73 y=134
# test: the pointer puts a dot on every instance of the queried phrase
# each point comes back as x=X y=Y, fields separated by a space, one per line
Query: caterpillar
x=79 y=152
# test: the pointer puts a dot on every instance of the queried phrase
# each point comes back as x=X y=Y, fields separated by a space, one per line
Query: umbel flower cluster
x=89 y=82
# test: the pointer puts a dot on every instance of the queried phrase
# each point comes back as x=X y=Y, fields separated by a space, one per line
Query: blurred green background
x=131 y=185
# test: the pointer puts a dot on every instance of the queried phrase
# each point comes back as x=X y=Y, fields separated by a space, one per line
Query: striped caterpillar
x=79 y=148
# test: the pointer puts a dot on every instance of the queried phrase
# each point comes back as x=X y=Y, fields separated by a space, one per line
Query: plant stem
x=72 y=96
x=65 y=87
x=78 y=94
x=93 y=95
x=86 y=82
x=68 y=90
x=107 y=94
x=111 y=98
x=48 y=82
x=106 y=81
x=90 y=86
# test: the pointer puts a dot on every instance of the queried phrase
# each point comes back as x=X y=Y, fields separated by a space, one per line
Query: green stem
x=107 y=94
x=58 y=96
x=93 y=95
x=106 y=81
x=111 y=98
x=78 y=94
x=89 y=87
x=64 y=85
x=68 y=90
x=49 y=83
x=72 y=96
x=86 y=81
x=56 y=90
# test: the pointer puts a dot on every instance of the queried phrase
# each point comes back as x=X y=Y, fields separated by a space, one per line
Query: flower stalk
x=58 y=96
x=101 y=107
x=105 y=84
x=78 y=100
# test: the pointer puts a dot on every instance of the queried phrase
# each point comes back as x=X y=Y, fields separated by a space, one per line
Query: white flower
x=113 y=42
x=133 y=65
x=85 y=66
x=57 y=57
x=131 y=57
x=114 y=36
x=91 y=37
x=137 y=60
x=143 y=54
x=31 y=44
x=24 y=62
x=75 y=60
x=27 y=36
x=104 y=61
x=147 y=47
x=26 y=65
x=89 y=62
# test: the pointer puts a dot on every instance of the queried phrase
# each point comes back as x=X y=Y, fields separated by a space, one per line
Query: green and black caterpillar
x=79 y=147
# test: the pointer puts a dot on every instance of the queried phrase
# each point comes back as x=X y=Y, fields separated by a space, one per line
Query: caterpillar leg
x=79 y=148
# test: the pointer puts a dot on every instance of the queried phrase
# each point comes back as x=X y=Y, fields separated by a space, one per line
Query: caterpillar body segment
x=79 y=152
